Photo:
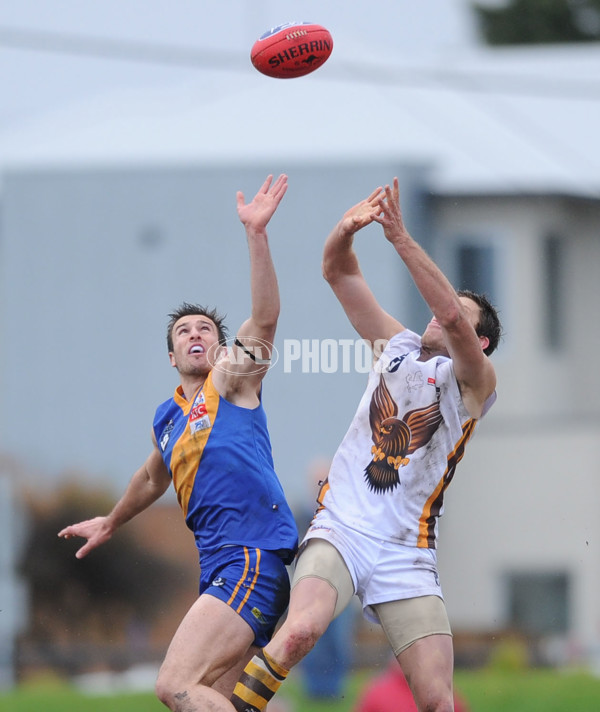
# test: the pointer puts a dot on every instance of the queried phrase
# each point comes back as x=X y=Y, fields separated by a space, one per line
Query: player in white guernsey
x=375 y=531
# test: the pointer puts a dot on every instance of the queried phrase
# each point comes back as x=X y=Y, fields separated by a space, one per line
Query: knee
x=163 y=690
x=437 y=704
x=171 y=690
x=439 y=707
x=302 y=633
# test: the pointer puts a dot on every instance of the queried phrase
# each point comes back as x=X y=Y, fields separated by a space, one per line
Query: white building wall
x=523 y=502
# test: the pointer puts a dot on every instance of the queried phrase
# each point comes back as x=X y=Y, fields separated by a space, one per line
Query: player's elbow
x=451 y=317
x=329 y=271
x=266 y=320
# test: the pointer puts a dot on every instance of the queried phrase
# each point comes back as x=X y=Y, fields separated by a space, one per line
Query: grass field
x=485 y=691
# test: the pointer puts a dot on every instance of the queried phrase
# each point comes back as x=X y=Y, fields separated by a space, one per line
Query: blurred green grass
x=484 y=690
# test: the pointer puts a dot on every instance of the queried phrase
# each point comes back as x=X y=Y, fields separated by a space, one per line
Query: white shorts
x=381 y=571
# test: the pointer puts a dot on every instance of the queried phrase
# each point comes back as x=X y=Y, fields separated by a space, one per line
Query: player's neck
x=190 y=385
x=428 y=353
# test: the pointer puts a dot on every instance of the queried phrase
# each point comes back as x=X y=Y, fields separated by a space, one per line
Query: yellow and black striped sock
x=259 y=681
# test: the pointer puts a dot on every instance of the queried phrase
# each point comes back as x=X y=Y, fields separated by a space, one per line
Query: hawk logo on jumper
x=218 y=582
x=166 y=434
x=199 y=419
x=394 y=438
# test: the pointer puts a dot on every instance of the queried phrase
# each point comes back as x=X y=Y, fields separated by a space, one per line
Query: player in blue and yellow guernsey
x=211 y=440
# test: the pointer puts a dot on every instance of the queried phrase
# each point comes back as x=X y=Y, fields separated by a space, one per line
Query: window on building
x=553 y=290
x=476 y=268
x=538 y=603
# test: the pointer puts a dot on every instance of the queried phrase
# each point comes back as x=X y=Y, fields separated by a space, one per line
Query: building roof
x=486 y=121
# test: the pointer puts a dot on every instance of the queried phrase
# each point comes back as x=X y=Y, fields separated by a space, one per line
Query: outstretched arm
x=342 y=272
x=145 y=487
x=473 y=369
x=257 y=333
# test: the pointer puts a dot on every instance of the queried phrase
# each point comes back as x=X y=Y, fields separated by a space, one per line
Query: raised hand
x=362 y=213
x=390 y=214
x=260 y=210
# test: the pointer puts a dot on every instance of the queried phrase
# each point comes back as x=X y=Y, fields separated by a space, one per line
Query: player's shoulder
x=404 y=339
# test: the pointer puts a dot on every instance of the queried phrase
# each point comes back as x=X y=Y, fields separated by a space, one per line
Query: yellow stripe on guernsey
x=187 y=451
x=433 y=505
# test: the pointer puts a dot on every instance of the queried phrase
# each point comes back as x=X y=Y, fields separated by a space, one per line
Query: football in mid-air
x=291 y=50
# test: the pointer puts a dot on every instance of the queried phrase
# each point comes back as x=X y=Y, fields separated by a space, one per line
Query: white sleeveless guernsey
x=391 y=470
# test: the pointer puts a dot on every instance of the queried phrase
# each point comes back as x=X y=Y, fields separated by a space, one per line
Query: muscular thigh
x=210 y=640
x=320 y=559
x=411 y=619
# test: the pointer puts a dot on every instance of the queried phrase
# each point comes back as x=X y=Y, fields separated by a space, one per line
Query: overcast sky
x=50 y=54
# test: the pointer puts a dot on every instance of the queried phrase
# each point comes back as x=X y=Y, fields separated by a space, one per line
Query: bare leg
x=428 y=666
x=312 y=604
x=210 y=641
x=228 y=680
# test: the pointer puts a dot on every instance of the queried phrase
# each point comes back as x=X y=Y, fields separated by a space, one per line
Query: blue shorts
x=254 y=582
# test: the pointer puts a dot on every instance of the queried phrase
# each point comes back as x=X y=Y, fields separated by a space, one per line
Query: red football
x=291 y=50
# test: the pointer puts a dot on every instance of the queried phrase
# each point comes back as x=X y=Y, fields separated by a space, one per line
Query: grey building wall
x=91 y=262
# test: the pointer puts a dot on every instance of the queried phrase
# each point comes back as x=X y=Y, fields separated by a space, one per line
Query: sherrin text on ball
x=292 y=50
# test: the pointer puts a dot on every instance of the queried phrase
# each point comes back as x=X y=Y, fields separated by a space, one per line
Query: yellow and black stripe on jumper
x=259 y=681
x=433 y=506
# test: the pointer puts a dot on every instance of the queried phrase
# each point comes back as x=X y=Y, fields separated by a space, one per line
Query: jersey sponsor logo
x=394 y=364
x=431 y=381
x=198 y=411
x=166 y=434
x=199 y=419
x=219 y=581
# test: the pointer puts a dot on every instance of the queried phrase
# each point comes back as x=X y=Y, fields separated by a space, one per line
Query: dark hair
x=489 y=323
x=186 y=309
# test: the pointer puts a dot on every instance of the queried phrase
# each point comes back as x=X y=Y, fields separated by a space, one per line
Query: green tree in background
x=539 y=21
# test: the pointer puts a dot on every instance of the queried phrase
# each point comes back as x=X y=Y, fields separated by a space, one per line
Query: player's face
x=433 y=336
x=195 y=345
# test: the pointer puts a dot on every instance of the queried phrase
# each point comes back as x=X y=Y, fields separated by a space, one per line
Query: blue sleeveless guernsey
x=219 y=458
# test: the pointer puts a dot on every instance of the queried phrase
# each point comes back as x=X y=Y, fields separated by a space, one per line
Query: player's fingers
x=374 y=194
x=266 y=185
x=280 y=186
x=67 y=532
x=84 y=551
